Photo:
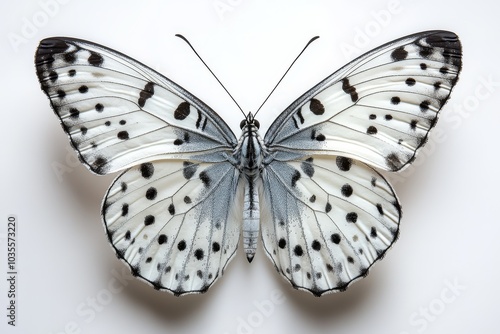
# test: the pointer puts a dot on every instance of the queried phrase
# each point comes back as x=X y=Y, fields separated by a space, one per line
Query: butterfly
x=310 y=189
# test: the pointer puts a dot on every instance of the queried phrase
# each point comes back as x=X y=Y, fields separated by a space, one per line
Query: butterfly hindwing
x=118 y=112
x=377 y=109
x=172 y=222
x=332 y=217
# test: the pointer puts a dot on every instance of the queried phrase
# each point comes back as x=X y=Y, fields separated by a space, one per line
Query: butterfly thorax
x=249 y=151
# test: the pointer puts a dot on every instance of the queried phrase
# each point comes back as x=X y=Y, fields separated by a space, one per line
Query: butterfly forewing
x=119 y=113
x=377 y=109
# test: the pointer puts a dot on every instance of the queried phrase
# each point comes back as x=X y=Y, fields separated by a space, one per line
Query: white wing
x=169 y=220
x=173 y=215
x=377 y=109
x=331 y=219
x=119 y=113
x=332 y=216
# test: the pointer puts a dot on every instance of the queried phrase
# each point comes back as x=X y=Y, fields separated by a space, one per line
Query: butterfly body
x=308 y=189
x=250 y=154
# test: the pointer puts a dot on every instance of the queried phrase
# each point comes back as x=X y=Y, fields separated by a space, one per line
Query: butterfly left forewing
x=118 y=112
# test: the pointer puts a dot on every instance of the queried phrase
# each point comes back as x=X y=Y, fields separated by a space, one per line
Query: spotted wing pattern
x=330 y=216
x=172 y=216
x=377 y=109
x=119 y=113
x=169 y=220
x=331 y=219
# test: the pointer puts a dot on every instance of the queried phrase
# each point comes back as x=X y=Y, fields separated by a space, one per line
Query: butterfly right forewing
x=377 y=109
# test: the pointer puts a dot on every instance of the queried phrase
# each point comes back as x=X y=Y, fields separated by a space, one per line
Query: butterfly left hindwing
x=169 y=221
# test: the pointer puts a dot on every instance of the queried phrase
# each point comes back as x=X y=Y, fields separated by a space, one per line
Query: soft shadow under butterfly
x=190 y=187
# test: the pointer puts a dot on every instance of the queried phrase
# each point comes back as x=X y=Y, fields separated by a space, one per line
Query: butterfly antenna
x=196 y=53
x=289 y=67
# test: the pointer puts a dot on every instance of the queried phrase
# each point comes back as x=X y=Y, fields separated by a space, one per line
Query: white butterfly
x=190 y=187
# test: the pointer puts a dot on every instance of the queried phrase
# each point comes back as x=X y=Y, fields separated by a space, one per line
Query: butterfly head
x=249 y=121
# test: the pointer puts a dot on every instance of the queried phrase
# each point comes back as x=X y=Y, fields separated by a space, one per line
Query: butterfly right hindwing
x=331 y=219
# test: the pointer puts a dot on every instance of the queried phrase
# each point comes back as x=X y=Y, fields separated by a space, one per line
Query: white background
x=440 y=277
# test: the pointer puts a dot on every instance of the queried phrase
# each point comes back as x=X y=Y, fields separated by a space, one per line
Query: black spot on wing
x=316 y=107
x=146 y=93
x=205 y=179
x=162 y=239
x=74 y=113
x=344 y=164
x=371 y=130
x=124 y=209
x=410 y=82
x=328 y=207
x=295 y=178
x=53 y=76
x=189 y=169
x=299 y=114
x=171 y=209
x=351 y=217
x=182 y=111
x=95 y=59
x=99 y=165
x=346 y=190
x=151 y=193
x=395 y=100
x=123 y=135
x=399 y=54
x=348 y=89
x=424 y=106
x=147 y=170
x=70 y=57
x=393 y=162
x=149 y=220
x=307 y=167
